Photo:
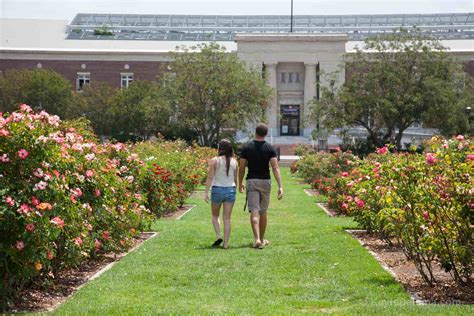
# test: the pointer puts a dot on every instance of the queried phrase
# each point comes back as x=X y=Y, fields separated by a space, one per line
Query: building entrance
x=290 y=120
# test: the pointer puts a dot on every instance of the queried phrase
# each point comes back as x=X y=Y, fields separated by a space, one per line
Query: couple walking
x=224 y=171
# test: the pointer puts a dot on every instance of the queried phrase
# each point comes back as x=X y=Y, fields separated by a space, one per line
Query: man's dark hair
x=261 y=130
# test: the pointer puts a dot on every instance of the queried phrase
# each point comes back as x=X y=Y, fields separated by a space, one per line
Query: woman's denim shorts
x=223 y=194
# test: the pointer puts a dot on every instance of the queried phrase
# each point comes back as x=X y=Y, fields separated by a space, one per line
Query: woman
x=222 y=176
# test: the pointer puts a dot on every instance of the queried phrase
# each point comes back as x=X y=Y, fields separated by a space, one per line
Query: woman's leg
x=216 y=208
x=227 y=213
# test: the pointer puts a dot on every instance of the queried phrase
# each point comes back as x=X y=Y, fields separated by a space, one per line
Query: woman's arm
x=210 y=177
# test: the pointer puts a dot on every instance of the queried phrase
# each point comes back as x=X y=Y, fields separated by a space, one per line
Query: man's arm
x=243 y=164
x=277 y=174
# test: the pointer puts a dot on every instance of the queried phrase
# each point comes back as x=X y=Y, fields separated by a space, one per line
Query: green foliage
x=423 y=201
x=211 y=89
x=139 y=111
x=404 y=78
x=95 y=103
x=63 y=198
x=172 y=171
x=43 y=89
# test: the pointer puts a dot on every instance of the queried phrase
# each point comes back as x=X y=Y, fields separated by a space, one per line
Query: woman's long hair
x=225 y=149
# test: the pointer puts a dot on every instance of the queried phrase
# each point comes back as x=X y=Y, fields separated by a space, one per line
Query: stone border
x=309 y=192
x=326 y=210
x=416 y=299
x=99 y=273
x=182 y=215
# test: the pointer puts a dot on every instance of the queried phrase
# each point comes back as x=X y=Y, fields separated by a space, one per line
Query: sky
x=67 y=9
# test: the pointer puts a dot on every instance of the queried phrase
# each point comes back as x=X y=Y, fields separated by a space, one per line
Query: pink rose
x=58 y=222
x=97 y=245
x=430 y=159
x=24 y=208
x=106 y=235
x=19 y=245
x=78 y=241
x=97 y=192
x=382 y=150
x=344 y=206
x=89 y=173
x=345 y=174
x=30 y=227
x=34 y=200
x=470 y=157
x=426 y=215
x=10 y=201
x=22 y=154
x=50 y=255
x=360 y=203
x=460 y=137
x=4 y=132
x=4 y=158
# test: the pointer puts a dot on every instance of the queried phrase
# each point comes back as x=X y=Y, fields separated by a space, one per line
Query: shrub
x=172 y=171
x=63 y=198
x=424 y=201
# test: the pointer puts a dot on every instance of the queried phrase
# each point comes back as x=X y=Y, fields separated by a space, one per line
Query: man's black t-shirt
x=258 y=155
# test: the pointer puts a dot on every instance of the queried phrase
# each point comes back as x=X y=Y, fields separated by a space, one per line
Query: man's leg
x=263 y=225
x=254 y=221
x=264 y=204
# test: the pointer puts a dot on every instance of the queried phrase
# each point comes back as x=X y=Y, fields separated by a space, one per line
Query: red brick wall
x=108 y=71
x=469 y=67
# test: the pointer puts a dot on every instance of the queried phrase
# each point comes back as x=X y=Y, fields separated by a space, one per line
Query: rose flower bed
x=173 y=170
x=65 y=198
x=423 y=201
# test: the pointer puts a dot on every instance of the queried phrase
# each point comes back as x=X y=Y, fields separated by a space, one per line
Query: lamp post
x=291 y=18
x=468 y=110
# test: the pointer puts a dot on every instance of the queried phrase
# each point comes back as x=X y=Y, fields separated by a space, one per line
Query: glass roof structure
x=86 y=26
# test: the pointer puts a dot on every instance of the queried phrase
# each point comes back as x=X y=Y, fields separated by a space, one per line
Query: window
x=126 y=79
x=283 y=77
x=297 y=77
x=290 y=77
x=82 y=79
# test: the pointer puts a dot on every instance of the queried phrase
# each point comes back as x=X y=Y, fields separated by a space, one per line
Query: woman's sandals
x=217 y=243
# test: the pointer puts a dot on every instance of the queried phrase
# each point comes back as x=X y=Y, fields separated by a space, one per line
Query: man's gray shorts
x=258 y=194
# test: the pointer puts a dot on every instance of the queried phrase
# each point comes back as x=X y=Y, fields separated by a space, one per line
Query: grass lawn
x=312 y=266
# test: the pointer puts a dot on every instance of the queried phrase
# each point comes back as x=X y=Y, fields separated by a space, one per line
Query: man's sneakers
x=265 y=242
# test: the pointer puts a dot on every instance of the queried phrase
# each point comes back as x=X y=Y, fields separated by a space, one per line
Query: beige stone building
x=122 y=48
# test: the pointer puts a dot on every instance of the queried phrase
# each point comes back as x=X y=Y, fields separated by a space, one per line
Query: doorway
x=290 y=120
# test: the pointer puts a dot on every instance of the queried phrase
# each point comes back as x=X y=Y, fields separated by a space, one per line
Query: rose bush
x=64 y=197
x=423 y=201
x=173 y=170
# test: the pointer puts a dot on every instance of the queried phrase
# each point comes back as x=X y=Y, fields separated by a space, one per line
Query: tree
x=41 y=89
x=211 y=89
x=95 y=103
x=395 y=80
x=138 y=111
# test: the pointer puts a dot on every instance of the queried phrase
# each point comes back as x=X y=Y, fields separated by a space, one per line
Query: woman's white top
x=221 y=179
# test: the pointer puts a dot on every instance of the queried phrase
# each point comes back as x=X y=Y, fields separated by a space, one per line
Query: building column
x=271 y=72
x=309 y=95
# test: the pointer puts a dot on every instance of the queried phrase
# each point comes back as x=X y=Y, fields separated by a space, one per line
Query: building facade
x=122 y=48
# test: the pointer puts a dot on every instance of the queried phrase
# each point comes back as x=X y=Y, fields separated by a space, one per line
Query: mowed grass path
x=312 y=266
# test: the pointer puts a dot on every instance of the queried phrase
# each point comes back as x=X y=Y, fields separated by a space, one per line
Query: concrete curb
x=416 y=299
x=100 y=272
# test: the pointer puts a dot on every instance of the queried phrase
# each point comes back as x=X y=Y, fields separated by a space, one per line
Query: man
x=257 y=155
